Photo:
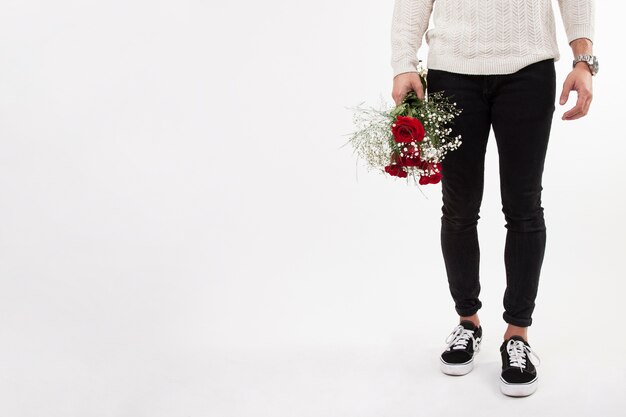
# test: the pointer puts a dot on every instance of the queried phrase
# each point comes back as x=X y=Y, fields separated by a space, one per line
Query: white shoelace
x=518 y=351
x=459 y=337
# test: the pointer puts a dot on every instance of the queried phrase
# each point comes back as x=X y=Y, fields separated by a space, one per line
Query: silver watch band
x=590 y=60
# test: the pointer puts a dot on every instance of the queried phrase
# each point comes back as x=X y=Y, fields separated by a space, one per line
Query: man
x=495 y=60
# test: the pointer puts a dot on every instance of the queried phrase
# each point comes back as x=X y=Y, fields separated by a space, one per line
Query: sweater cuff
x=404 y=65
x=580 y=31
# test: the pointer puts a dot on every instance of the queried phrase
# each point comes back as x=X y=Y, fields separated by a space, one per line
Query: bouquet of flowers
x=408 y=140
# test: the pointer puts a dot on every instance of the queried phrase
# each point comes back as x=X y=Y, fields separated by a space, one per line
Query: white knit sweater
x=483 y=36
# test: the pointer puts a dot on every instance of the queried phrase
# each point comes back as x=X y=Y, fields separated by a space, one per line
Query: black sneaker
x=519 y=375
x=463 y=345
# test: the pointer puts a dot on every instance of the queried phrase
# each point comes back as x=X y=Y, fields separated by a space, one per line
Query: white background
x=182 y=234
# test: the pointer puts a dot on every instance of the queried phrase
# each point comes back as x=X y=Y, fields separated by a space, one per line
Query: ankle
x=516 y=331
x=473 y=318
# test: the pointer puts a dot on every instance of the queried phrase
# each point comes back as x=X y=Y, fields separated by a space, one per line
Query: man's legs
x=522 y=110
x=462 y=187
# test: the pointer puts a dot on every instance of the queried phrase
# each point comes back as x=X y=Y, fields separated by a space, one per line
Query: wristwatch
x=591 y=60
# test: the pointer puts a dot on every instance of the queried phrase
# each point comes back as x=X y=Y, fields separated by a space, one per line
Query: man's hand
x=579 y=79
x=405 y=82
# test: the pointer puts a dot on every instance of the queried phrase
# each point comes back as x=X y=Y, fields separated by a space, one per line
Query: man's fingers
x=400 y=93
x=582 y=106
x=578 y=108
x=586 y=106
x=397 y=97
x=572 y=116
x=567 y=88
x=588 y=99
x=403 y=83
x=419 y=90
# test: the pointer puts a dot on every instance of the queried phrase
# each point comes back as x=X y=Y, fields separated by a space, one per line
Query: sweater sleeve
x=578 y=18
x=408 y=25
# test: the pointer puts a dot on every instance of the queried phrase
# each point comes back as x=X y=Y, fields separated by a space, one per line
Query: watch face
x=593 y=64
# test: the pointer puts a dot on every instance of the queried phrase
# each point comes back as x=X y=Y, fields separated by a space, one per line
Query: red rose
x=396 y=171
x=410 y=160
x=435 y=177
x=411 y=156
x=407 y=129
x=431 y=179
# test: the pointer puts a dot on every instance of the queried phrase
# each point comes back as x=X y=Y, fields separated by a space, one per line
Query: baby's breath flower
x=374 y=142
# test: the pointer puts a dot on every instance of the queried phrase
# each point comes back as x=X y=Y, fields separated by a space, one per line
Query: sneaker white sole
x=518 y=390
x=457 y=368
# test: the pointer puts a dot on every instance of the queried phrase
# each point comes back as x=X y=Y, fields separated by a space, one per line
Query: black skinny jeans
x=519 y=107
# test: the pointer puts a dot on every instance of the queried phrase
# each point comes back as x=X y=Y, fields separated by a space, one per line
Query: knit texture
x=483 y=36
